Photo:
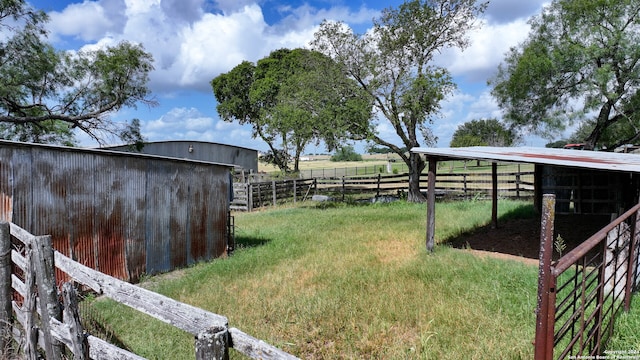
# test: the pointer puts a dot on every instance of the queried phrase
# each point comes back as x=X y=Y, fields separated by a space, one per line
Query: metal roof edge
x=181 y=141
x=599 y=160
x=106 y=152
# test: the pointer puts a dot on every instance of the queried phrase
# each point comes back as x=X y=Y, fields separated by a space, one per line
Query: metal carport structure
x=561 y=158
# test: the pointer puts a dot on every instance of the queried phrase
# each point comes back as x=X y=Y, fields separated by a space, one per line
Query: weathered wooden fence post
x=79 y=344
x=273 y=192
x=213 y=343
x=464 y=182
x=494 y=195
x=30 y=347
x=47 y=293
x=6 y=316
x=295 y=191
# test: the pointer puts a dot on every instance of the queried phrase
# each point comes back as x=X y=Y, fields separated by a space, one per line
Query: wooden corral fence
x=36 y=325
x=581 y=294
x=248 y=196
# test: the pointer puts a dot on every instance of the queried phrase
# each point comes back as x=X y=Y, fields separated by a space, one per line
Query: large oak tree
x=293 y=98
x=393 y=64
x=45 y=94
x=579 y=66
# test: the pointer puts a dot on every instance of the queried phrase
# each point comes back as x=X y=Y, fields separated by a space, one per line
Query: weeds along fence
x=36 y=324
x=249 y=196
x=581 y=294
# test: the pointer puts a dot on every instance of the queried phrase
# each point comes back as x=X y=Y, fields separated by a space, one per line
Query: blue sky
x=193 y=41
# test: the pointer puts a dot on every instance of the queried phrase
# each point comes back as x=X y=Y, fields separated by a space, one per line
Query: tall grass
x=352 y=282
x=626 y=336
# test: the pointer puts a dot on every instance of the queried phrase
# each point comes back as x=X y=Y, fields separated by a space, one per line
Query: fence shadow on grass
x=250 y=241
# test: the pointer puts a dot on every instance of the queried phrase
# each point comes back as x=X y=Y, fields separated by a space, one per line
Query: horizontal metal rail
x=582 y=293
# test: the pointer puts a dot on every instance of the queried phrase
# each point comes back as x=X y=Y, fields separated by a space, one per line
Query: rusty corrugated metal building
x=120 y=213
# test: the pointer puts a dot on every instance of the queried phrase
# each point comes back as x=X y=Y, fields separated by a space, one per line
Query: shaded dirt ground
x=520 y=238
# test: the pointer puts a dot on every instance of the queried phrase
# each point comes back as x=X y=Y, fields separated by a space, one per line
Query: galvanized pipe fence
x=252 y=195
x=34 y=323
x=581 y=294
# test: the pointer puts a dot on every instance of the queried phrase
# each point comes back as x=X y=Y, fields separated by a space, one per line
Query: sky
x=193 y=41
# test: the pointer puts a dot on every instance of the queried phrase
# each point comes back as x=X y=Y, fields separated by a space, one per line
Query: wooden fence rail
x=29 y=296
x=248 y=196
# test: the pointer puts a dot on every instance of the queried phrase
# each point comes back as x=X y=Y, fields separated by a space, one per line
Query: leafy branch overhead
x=45 y=94
x=393 y=65
x=580 y=66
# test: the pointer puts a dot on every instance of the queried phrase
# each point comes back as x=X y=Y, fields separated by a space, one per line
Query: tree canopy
x=580 y=65
x=346 y=153
x=45 y=94
x=393 y=64
x=293 y=98
x=484 y=132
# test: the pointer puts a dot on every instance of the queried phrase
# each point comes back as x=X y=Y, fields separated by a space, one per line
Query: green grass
x=353 y=282
x=626 y=336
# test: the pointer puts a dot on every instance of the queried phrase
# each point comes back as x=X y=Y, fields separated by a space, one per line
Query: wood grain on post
x=213 y=343
x=49 y=306
x=29 y=311
x=6 y=317
x=78 y=341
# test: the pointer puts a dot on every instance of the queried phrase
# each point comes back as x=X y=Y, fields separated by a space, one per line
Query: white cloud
x=191 y=124
x=489 y=45
x=192 y=41
x=484 y=106
x=217 y=43
x=178 y=120
x=191 y=46
x=461 y=108
x=88 y=21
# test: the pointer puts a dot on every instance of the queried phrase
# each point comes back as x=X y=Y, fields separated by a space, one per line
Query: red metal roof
x=544 y=156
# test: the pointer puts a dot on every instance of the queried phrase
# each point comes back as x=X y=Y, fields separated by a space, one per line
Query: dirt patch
x=520 y=238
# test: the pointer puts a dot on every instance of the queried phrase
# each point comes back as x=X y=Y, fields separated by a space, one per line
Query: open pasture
x=338 y=281
x=335 y=281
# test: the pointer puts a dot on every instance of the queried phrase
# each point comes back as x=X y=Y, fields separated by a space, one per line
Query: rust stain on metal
x=564 y=158
x=122 y=214
x=544 y=156
x=6 y=207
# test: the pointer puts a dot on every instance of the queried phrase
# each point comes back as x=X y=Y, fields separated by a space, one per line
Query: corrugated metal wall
x=200 y=150
x=122 y=214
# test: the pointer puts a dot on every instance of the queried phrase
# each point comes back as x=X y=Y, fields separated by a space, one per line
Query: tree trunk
x=416 y=165
x=601 y=124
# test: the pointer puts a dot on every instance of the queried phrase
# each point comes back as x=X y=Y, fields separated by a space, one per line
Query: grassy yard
x=352 y=282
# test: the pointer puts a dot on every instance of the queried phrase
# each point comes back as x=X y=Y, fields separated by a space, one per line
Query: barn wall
x=586 y=191
x=122 y=214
